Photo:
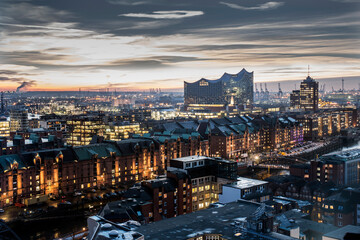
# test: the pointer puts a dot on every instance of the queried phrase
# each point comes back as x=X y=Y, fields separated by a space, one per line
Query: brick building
x=152 y=201
x=28 y=171
x=342 y=208
x=65 y=170
x=234 y=137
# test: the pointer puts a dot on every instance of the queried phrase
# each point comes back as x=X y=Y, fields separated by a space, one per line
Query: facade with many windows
x=66 y=170
x=4 y=127
x=230 y=89
x=83 y=128
x=308 y=96
x=207 y=176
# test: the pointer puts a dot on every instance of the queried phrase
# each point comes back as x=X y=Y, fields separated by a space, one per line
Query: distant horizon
x=351 y=82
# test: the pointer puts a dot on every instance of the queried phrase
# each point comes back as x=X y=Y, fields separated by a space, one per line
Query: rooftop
x=344 y=156
x=226 y=77
x=107 y=230
x=218 y=220
x=243 y=183
x=341 y=232
x=305 y=224
x=191 y=158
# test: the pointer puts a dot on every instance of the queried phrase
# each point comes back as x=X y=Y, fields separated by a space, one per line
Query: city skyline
x=137 y=45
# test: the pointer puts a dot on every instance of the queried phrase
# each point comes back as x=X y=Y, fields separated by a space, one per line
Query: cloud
x=51 y=26
x=26 y=57
x=128 y=2
x=22 y=81
x=150 y=62
x=149 y=42
x=176 y=14
x=8 y=72
x=26 y=12
x=264 y=6
x=347 y=1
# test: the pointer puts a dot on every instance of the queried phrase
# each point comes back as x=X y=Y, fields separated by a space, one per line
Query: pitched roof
x=101 y=150
x=7 y=161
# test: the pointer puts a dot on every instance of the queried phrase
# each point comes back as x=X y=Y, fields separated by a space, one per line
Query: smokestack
x=342 y=84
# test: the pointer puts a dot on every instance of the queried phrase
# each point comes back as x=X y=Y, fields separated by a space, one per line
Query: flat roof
x=346 y=155
x=243 y=183
x=191 y=158
x=307 y=224
x=197 y=158
x=108 y=230
x=219 y=220
x=341 y=232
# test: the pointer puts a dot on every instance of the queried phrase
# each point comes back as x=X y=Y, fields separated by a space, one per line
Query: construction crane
x=261 y=92
x=323 y=89
x=266 y=92
x=256 y=92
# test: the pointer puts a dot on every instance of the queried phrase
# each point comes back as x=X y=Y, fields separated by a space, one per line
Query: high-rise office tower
x=309 y=94
x=4 y=127
x=307 y=97
x=19 y=119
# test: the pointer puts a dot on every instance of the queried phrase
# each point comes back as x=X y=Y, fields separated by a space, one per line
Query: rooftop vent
x=106 y=226
x=113 y=234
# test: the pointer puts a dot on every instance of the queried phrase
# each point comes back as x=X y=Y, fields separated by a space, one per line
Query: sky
x=140 y=44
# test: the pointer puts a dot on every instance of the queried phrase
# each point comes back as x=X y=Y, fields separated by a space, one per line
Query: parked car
x=77 y=194
x=19 y=205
